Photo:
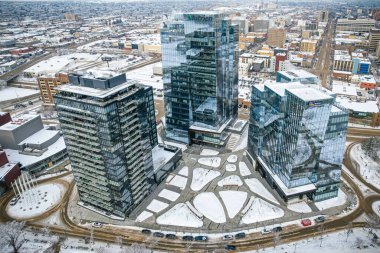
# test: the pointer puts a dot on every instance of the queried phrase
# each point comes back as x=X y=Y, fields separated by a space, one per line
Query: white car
x=97 y=224
x=266 y=231
x=228 y=237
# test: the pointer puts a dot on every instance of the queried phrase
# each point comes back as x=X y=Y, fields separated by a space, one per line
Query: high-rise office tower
x=297 y=136
x=200 y=74
x=323 y=16
x=109 y=128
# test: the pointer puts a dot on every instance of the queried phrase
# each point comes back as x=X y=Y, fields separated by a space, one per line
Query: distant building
x=47 y=84
x=323 y=16
x=355 y=25
x=301 y=76
x=109 y=128
x=374 y=39
x=261 y=25
x=308 y=46
x=296 y=139
x=276 y=37
x=71 y=16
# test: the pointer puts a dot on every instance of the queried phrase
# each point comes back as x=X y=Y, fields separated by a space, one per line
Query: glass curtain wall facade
x=200 y=72
x=109 y=139
x=298 y=134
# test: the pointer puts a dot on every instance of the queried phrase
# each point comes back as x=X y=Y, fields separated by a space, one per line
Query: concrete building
x=296 y=140
x=9 y=172
x=47 y=84
x=276 y=37
x=301 y=76
x=109 y=128
x=374 y=39
x=342 y=61
x=355 y=25
x=323 y=16
x=261 y=25
x=308 y=45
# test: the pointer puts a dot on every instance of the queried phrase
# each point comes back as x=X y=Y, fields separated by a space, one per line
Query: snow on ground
x=376 y=207
x=242 y=142
x=169 y=195
x=230 y=167
x=36 y=201
x=9 y=93
x=336 y=242
x=209 y=152
x=257 y=187
x=143 y=216
x=180 y=215
x=300 y=207
x=209 y=205
x=210 y=161
x=177 y=180
x=156 y=206
x=328 y=203
x=260 y=210
x=244 y=170
x=232 y=159
x=230 y=180
x=201 y=177
x=233 y=201
x=184 y=171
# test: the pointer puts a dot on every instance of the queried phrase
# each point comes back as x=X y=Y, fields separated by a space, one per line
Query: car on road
x=228 y=237
x=170 y=236
x=146 y=231
x=188 y=238
x=320 y=219
x=158 y=234
x=240 y=235
x=266 y=231
x=14 y=201
x=97 y=224
x=230 y=247
x=277 y=229
x=201 y=238
x=306 y=222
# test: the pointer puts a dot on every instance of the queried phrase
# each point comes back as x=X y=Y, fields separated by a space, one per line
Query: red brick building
x=8 y=172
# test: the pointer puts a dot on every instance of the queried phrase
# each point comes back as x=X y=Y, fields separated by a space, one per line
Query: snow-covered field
x=209 y=152
x=157 y=206
x=180 y=215
x=184 y=171
x=244 y=170
x=232 y=159
x=233 y=201
x=209 y=205
x=9 y=93
x=36 y=201
x=177 y=180
x=201 y=177
x=257 y=187
x=143 y=216
x=260 y=210
x=210 y=161
x=169 y=195
x=328 y=203
x=232 y=180
x=300 y=207
x=230 y=167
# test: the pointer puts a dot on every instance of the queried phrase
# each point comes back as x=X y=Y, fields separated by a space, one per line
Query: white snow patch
x=242 y=142
x=244 y=170
x=232 y=180
x=180 y=215
x=232 y=159
x=157 y=206
x=184 y=171
x=260 y=210
x=328 y=203
x=257 y=187
x=209 y=205
x=9 y=93
x=233 y=201
x=169 y=195
x=376 y=207
x=143 y=216
x=210 y=161
x=201 y=177
x=300 y=207
x=230 y=167
x=209 y=152
x=177 y=180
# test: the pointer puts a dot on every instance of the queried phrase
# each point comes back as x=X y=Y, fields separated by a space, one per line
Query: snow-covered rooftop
x=344 y=90
x=160 y=157
x=19 y=121
x=5 y=169
x=309 y=94
x=368 y=106
x=40 y=137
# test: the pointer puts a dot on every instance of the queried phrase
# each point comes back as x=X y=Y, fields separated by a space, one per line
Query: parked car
x=97 y=224
x=320 y=219
x=277 y=229
x=228 y=237
x=158 y=234
x=306 y=222
x=266 y=231
x=240 y=235
x=201 y=238
x=188 y=238
x=230 y=247
x=171 y=236
x=146 y=231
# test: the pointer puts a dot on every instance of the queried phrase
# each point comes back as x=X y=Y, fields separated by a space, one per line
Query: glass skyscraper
x=109 y=128
x=200 y=74
x=297 y=135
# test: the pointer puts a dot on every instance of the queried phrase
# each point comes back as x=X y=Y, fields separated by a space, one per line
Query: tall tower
x=200 y=74
x=109 y=128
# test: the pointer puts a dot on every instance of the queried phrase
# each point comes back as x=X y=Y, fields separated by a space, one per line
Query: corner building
x=297 y=135
x=109 y=128
x=200 y=75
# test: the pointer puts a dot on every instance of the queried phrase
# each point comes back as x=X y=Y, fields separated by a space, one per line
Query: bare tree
x=10 y=235
x=119 y=241
x=100 y=250
x=372 y=222
x=46 y=230
x=359 y=243
x=137 y=248
x=349 y=230
x=276 y=239
x=321 y=230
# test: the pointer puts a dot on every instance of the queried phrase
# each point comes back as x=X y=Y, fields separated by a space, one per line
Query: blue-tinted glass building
x=297 y=135
x=200 y=75
x=109 y=128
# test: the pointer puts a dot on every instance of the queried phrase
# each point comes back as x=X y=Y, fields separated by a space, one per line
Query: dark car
x=200 y=238
x=171 y=236
x=188 y=238
x=146 y=231
x=277 y=229
x=240 y=235
x=230 y=247
x=158 y=234
x=320 y=219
